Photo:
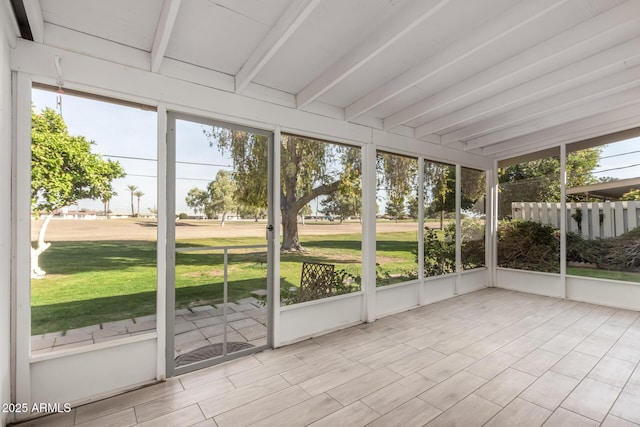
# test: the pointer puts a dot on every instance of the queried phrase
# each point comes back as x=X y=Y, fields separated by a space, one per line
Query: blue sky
x=120 y=132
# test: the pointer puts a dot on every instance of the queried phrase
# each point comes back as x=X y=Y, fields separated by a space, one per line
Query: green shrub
x=440 y=253
x=183 y=216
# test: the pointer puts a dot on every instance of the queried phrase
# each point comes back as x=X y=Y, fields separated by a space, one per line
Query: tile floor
x=195 y=327
x=492 y=357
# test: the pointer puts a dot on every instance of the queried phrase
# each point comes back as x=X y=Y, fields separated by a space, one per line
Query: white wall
x=5 y=219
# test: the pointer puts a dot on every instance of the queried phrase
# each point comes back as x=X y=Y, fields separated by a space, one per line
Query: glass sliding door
x=218 y=278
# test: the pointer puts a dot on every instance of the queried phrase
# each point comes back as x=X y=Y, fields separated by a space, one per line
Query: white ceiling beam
x=580 y=95
x=501 y=27
x=605 y=30
x=297 y=12
x=598 y=125
x=36 y=20
x=9 y=24
x=392 y=31
x=163 y=32
x=586 y=110
x=583 y=71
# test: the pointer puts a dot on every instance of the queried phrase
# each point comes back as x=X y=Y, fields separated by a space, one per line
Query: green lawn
x=626 y=276
x=96 y=282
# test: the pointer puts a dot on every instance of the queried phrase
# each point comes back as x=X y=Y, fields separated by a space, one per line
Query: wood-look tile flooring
x=492 y=357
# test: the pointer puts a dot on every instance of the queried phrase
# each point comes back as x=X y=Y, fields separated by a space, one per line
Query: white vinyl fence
x=604 y=219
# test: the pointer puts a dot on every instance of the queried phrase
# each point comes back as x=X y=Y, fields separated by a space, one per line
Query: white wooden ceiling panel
x=333 y=28
x=131 y=23
x=212 y=36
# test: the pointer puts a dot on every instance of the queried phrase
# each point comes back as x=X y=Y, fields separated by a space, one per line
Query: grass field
x=626 y=276
x=90 y=282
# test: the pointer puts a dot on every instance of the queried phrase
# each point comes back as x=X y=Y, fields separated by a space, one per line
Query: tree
x=440 y=182
x=221 y=195
x=218 y=198
x=132 y=189
x=63 y=171
x=539 y=180
x=309 y=169
x=398 y=175
x=106 y=200
x=138 y=195
x=197 y=200
x=633 y=194
x=342 y=205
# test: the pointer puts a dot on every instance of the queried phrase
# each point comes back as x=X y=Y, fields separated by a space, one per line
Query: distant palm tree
x=132 y=188
x=139 y=195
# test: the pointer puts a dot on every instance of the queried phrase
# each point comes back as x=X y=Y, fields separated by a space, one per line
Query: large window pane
x=473 y=219
x=221 y=209
x=603 y=207
x=528 y=228
x=321 y=202
x=397 y=219
x=439 y=218
x=93 y=227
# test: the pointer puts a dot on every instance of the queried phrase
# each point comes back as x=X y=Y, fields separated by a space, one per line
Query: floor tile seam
x=468 y=394
x=520 y=396
x=583 y=415
x=442 y=412
x=551 y=412
x=265 y=366
x=308 y=397
x=620 y=394
x=124 y=408
x=622 y=334
x=204 y=417
x=425 y=366
x=299 y=403
x=244 y=403
x=413 y=397
x=580 y=382
x=380 y=414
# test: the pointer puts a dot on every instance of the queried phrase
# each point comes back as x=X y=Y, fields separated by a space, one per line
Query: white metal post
x=421 y=291
x=369 y=231
x=274 y=244
x=563 y=219
x=161 y=243
x=458 y=231
x=22 y=237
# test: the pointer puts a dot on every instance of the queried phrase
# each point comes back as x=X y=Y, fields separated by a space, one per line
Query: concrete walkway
x=195 y=327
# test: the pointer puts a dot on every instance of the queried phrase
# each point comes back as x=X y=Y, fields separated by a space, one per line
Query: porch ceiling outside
x=497 y=78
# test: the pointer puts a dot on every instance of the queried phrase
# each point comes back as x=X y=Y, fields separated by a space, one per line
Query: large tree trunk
x=223 y=219
x=36 y=271
x=290 y=241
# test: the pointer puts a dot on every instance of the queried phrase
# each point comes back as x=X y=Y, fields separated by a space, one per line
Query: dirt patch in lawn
x=141 y=229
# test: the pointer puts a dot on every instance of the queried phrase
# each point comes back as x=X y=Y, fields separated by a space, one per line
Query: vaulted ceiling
x=493 y=77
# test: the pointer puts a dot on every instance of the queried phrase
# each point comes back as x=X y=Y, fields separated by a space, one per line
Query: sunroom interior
x=369 y=157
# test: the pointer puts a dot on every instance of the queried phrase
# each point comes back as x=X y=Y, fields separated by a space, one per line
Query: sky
x=128 y=135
